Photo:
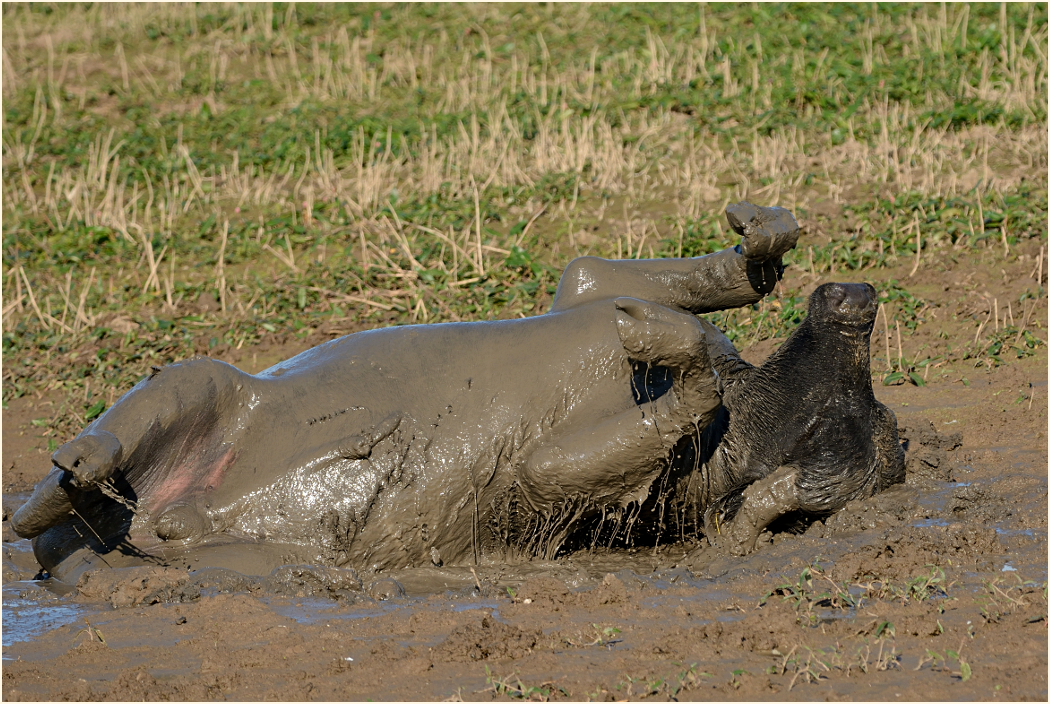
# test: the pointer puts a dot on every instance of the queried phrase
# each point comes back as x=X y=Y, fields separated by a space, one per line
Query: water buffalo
x=617 y=413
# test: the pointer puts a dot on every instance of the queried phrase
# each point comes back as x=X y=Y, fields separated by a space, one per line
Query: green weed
x=1000 y=598
x=939 y=662
x=93 y=633
x=512 y=687
x=926 y=586
x=603 y=636
x=814 y=588
x=671 y=685
x=922 y=587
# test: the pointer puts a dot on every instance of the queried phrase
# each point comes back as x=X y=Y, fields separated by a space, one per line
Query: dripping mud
x=934 y=589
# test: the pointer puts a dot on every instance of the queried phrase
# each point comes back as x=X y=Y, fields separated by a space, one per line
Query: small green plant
x=671 y=685
x=883 y=660
x=990 y=349
x=93 y=633
x=603 y=636
x=735 y=677
x=926 y=586
x=908 y=372
x=884 y=629
x=814 y=588
x=1000 y=599
x=807 y=670
x=647 y=687
x=939 y=662
x=922 y=587
x=512 y=687
x=795 y=593
x=689 y=679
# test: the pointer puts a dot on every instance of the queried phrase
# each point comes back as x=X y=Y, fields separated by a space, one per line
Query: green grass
x=389 y=164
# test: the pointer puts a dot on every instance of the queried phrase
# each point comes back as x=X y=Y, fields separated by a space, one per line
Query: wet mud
x=932 y=589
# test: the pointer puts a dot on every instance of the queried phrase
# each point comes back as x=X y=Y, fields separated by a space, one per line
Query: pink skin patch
x=189 y=477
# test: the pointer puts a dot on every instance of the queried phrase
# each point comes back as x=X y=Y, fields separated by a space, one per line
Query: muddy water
x=681 y=621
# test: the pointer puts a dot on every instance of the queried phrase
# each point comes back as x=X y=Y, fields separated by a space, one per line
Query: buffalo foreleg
x=764 y=501
x=614 y=462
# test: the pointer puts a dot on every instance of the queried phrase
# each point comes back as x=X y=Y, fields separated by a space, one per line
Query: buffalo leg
x=732 y=278
x=194 y=389
x=765 y=500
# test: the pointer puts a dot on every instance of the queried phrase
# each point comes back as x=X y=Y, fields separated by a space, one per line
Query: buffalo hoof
x=79 y=465
x=90 y=458
x=733 y=537
x=768 y=233
x=761 y=503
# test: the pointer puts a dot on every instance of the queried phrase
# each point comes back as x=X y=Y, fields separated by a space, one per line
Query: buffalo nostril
x=860 y=296
x=850 y=296
x=836 y=294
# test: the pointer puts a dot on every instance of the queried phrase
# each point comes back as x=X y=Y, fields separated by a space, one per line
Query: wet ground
x=935 y=589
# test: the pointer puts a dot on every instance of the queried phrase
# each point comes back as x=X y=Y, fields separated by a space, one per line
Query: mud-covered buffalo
x=618 y=415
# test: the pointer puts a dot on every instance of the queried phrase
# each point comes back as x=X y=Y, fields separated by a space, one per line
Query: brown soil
x=681 y=621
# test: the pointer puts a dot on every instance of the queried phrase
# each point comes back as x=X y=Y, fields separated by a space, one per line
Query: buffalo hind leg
x=732 y=278
x=178 y=395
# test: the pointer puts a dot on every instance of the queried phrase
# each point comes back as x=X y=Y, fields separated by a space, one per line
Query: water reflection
x=29 y=611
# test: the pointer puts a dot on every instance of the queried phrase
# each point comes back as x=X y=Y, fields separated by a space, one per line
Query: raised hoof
x=90 y=458
x=48 y=505
x=80 y=464
x=768 y=233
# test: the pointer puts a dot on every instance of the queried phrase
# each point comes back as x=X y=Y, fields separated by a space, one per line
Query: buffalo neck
x=822 y=354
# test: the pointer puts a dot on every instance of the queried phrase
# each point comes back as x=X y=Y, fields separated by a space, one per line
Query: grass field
x=184 y=179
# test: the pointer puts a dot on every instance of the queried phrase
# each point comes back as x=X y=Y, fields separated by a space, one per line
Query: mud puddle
x=840 y=611
x=30 y=611
x=313 y=611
